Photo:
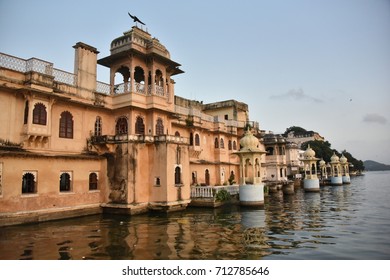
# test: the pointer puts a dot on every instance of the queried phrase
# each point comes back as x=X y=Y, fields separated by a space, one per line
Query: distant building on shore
x=300 y=138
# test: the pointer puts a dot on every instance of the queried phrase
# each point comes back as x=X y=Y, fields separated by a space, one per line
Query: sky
x=323 y=65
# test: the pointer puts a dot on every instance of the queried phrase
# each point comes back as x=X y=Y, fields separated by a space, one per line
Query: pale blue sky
x=320 y=64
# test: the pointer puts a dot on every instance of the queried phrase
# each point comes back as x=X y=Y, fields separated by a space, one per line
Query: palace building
x=71 y=145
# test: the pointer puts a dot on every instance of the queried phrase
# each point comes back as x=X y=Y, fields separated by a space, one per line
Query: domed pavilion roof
x=343 y=159
x=334 y=158
x=250 y=143
x=309 y=153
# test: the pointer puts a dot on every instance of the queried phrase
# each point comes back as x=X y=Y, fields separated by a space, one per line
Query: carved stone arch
x=123 y=70
x=40 y=113
x=159 y=79
x=159 y=126
x=139 y=74
x=121 y=125
x=139 y=125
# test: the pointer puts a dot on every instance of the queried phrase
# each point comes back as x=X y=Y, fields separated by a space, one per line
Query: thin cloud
x=374 y=118
x=298 y=95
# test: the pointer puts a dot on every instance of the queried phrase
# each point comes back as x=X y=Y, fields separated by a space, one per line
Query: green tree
x=321 y=148
x=295 y=129
x=357 y=164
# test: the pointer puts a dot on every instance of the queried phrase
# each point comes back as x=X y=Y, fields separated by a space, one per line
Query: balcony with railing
x=208 y=196
x=121 y=138
x=211 y=191
x=139 y=88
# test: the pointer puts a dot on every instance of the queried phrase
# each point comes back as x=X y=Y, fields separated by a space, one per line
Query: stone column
x=112 y=81
x=131 y=69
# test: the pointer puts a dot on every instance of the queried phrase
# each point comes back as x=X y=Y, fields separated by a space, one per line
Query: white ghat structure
x=335 y=178
x=345 y=170
x=251 y=189
x=311 y=183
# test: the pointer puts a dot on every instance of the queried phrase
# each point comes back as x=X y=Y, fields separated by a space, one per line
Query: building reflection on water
x=285 y=223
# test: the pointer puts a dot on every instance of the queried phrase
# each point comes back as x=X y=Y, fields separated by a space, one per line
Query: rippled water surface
x=346 y=222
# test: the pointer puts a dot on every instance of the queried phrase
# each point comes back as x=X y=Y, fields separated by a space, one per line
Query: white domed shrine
x=251 y=190
x=311 y=182
x=335 y=178
x=346 y=179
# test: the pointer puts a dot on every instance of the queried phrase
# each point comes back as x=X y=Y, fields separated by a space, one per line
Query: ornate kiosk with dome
x=251 y=188
x=335 y=178
x=311 y=183
x=346 y=179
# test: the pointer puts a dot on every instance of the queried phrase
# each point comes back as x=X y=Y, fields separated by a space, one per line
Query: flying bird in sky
x=135 y=19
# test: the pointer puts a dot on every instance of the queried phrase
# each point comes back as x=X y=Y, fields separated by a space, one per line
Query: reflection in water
x=342 y=222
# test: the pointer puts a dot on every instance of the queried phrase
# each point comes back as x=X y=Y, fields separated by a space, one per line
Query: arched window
x=98 y=126
x=121 y=126
x=194 y=178
x=197 y=140
x=28 y=183
x=159 y=127
x=207 y=177
x=177 y=133
x=216 y=143
x=234 y=145
x=177 y=175
x=231 y=178
x=313 y=168
x=139 y=77
x=191 y=139
x=230 y=145
x=66 y=125
x=139 y=125
x=222 y=145
x=93 y=181
x=26 y=109
x=257 y=167
x=159 y=78
x=65 y=182
x=39 y=114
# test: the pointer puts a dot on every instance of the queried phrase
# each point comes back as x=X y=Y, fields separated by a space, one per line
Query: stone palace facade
x=71 y=145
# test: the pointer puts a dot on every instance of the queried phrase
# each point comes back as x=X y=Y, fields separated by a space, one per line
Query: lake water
x=345 y=222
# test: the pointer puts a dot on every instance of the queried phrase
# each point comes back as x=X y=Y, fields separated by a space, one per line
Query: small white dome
x=335 y=158
x=309 y=153
x=249 y=141
x=343 y=159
